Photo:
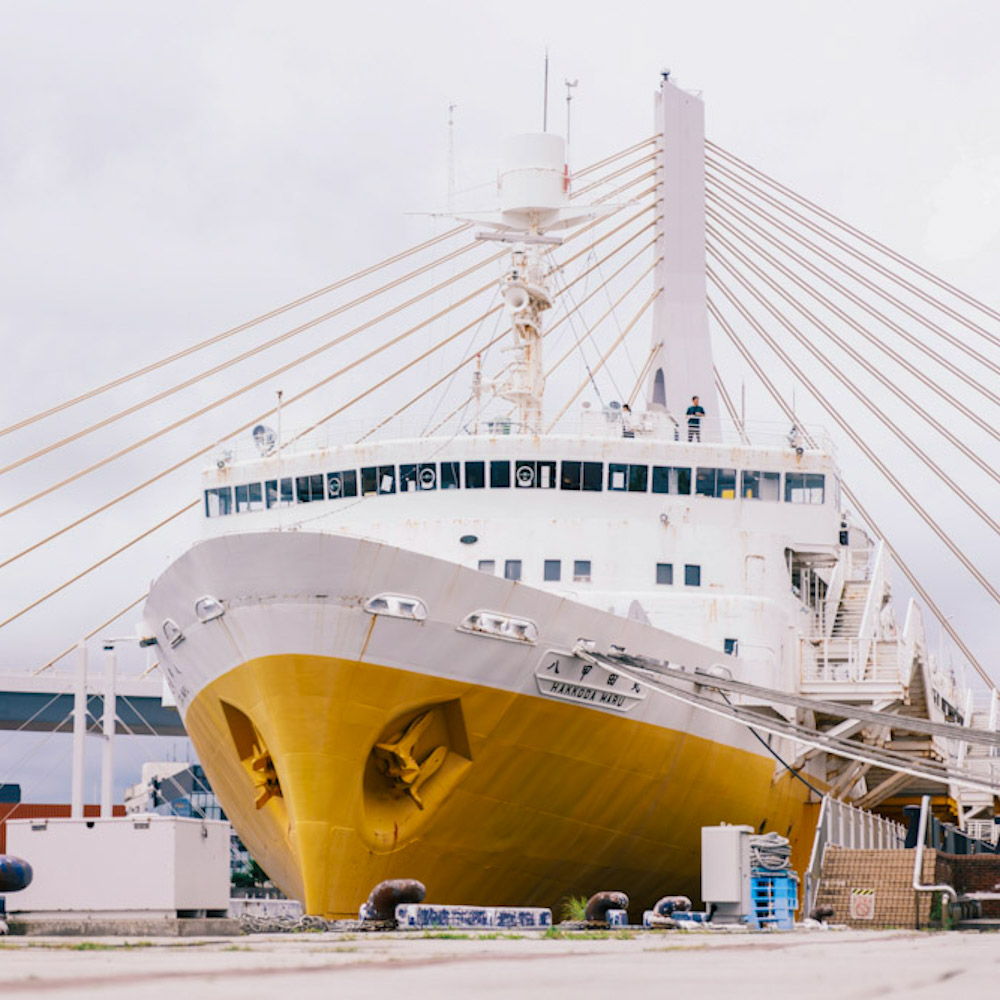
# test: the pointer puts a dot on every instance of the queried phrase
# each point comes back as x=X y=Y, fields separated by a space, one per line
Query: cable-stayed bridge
x=796 y=297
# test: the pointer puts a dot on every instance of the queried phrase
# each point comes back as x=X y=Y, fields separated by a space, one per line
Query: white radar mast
x=534 y=200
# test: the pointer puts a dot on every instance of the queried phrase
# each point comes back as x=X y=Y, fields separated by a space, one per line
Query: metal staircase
x=851 y=611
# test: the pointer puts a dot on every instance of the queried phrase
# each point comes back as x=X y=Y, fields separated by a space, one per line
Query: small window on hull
x=553 y=570
x=665 y=573
x=581 y=571
x=512 y=569
x=692 y=576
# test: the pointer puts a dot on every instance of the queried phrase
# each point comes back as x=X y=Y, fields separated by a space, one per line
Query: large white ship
x=462 y=659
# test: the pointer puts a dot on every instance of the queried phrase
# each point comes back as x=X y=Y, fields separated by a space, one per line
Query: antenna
x=451 y=155
x=570 y=84
x=280 y=394
x=545 y=95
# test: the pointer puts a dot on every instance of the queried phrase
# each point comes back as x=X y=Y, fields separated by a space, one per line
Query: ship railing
x=842 y=825
x=599 y=423
x=871 y=617
x=827 y=662
x=982 y=711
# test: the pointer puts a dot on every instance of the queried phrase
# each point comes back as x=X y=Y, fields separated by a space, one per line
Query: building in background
x=172 y=788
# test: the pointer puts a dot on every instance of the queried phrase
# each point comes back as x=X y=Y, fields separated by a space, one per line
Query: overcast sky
x=167 y=171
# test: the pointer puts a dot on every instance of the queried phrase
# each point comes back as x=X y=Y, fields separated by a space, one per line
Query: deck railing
x=853 y=661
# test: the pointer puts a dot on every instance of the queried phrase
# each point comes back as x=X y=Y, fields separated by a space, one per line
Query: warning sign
x=862 y=904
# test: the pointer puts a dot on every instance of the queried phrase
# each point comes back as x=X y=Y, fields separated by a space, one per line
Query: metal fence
x=843 y=825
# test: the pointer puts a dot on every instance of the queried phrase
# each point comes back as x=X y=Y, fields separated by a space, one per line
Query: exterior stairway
x=847 y=622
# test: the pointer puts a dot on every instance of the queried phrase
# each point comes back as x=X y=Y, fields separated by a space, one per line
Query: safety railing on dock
x=843 y=825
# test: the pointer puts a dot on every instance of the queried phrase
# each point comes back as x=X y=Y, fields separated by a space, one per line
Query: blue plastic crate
x=775 y=898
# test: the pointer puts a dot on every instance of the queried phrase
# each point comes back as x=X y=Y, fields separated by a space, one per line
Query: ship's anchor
x=397 y=761
x=265 y=778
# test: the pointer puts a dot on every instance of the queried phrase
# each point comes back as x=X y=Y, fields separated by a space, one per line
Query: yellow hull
x=530 y=800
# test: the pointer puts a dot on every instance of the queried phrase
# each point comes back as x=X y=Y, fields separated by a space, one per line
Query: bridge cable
x=834 y=370
x=286 y=367
x=860 y=359
x=302 y=300
x=857 y=439
x=871 y=286
x=769 y=385
x=864 y=237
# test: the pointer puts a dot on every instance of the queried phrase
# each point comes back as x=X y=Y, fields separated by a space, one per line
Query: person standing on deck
x=628 y=429
x=694 y=414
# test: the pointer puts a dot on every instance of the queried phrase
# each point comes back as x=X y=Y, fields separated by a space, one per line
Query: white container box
x=725 y=869
x=140 y=865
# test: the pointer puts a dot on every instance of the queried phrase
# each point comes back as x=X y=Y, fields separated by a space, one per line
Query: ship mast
x=534 y=190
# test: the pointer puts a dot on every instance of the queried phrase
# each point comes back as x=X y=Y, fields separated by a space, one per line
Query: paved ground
x=839 y=965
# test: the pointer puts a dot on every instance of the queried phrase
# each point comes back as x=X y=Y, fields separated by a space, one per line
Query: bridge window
x=475 y=475
x=761 y=485
x=309 y=488
x=582 y=475
x=553 y=570
x=665 y=573
x=219 y=501
x=488 y=566
x=499 y=474
x=416 y=477
x=581 y=571
x=668 y=479
x=279 y=492
x=378 y=479
x=249 y=497
x=716 y=483
x=537 y=475
x=804 y=487
x=692 y=576
x=450 y=476
x=512 y=569
x=342 y=484
x=633 y=478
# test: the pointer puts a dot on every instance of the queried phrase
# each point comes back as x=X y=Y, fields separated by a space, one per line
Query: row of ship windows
x=552 y=571
x=755 y=484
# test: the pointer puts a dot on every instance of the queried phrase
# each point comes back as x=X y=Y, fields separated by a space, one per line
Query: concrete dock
x=838 y=965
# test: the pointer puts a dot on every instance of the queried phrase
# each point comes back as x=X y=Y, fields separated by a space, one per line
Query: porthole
x=469 y=539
